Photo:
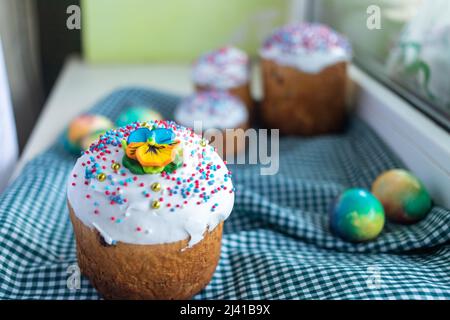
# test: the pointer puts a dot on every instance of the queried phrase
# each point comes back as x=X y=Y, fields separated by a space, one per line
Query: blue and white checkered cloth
x=276 y=243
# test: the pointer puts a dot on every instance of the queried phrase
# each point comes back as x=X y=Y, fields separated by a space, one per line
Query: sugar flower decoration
x=152 y=151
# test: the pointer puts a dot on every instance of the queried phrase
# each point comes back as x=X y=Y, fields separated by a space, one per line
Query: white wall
x=19 y=33
x=8 y=137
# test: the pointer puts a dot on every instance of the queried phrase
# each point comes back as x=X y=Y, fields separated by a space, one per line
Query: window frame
x=428 y=108
x=421 y=144
x=424 y=106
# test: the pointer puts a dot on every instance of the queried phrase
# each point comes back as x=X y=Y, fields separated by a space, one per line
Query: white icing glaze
x=188 y=216
x=223 y=69
x=306 y=61
x=215 y=109
x=307 y=47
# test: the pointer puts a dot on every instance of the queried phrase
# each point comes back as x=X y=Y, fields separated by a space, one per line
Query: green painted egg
x=137 y=113
x=357 y=216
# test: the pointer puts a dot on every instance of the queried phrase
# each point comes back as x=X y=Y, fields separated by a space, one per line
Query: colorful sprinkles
x=306 y=36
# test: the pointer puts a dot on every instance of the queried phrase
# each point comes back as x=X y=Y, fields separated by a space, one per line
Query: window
x=410 y=52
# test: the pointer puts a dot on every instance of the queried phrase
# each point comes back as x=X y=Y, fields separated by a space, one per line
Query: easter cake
x=223 y=119
x=304 y=79
x=147 y=202
x=224 y=69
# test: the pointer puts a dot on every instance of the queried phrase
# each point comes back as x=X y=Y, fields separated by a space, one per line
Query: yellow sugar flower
x=156 y=155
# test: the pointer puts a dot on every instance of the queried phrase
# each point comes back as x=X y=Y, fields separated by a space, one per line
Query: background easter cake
x=304 y=79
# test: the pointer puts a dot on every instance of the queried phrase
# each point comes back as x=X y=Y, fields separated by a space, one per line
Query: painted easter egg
x=404 y=197
x=90 y=139
x=357 y=216
x=83 y=126
x=137 y=114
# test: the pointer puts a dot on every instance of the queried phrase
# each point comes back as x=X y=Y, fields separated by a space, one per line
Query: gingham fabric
x=276 y=243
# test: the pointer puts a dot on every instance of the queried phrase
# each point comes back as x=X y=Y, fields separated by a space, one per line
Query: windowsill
x=421 y=144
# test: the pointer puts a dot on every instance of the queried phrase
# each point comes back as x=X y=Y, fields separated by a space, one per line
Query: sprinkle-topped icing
x=156 y=207
x=223 y=69
x=309 y=47
x=215 y=109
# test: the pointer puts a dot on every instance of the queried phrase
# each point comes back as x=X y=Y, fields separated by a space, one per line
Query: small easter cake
x=222 y=117
x=304 y=79
x=226 y=68
x=147 y=202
